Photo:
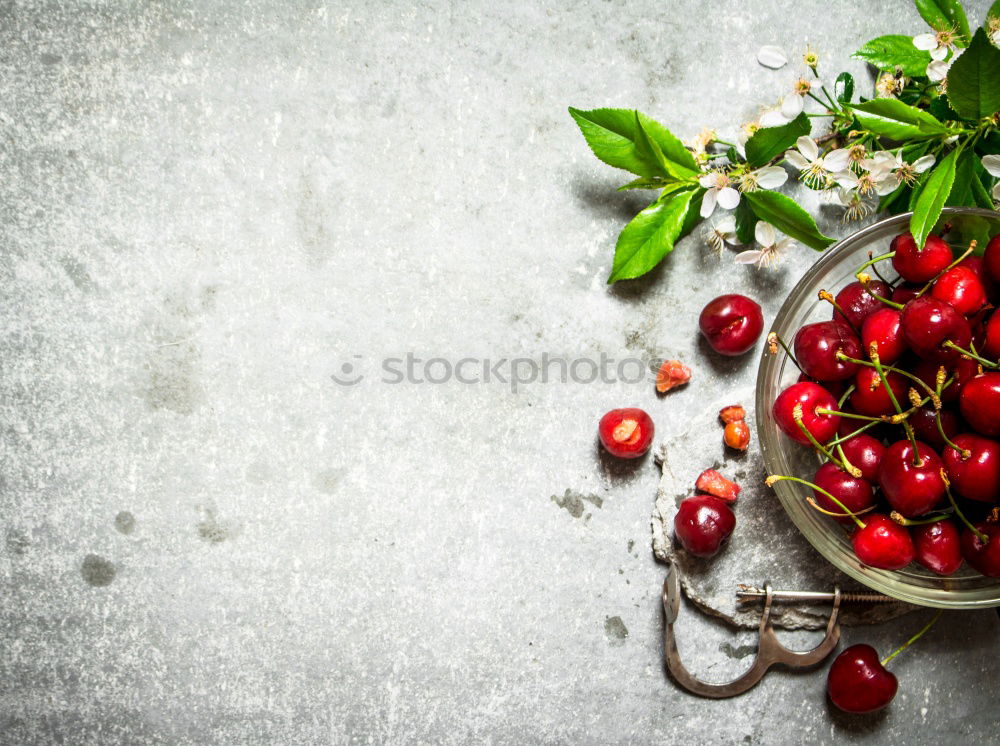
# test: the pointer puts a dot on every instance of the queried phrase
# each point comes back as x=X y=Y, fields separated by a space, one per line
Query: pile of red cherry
x=900 y=395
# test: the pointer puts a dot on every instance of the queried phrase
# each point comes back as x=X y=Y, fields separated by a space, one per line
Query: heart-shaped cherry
x=731 y=324
x=857 y=303
x=883 y=543
x=864 y=452
x=870 y=396
x=983 y=556
x=913 y=486
x=855 y=493
x=961 y=288
x=938 y=546
x=978 y=476
x=930 y=324
x=816 y=347
x=626 y=433
x=807 y=398
x=884 y=329
x=858 y=682
x=702 y=524
x=916 y=264
x=979 y=403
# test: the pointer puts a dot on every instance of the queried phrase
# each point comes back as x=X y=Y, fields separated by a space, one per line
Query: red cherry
x=977 y=477
x=920 y=265
x=702 y=524
x=903 y=294
x=977 y=265
x=924 y=424
x=870 y=396
x=984 y=557
x=911 y=489
x=928 y=323
x=980 y=403
x=991 y=258
x=626 y=433
x=816 y=347
x=960 y=288
x=991 y=342
x=731 y=324
x=961 y=371
x=858 y=682
x=854 y=492
x=864 y=452
x=884 y=329
x=858 y=303
x=883 y=543
x=938 y=546
x=811 y=396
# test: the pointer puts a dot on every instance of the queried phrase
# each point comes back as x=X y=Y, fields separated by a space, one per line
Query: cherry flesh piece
x=883 y=543
x=911 y=489
x=984 y=557
x=884 y=329
x=979 y=403
x=731 y=324
x=858 y=303
x=924 y=424
x=870 y=396
x=928 y=323
x=626 y=433
x=816 y=347
x=960 y=288
x=858 y=682
x=990 y=347
x=977 y=477
x=938 y=546
x=811 y=396
x=991 y=258
x=864 y=452
x=905 y=293
x=920 y=264
x=854 y=492
x=702 y=524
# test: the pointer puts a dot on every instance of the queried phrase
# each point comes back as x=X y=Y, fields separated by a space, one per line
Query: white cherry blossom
x=720 y=191
x=721 y=233
x=816 y=170
x=772 y=57
x=771 y=246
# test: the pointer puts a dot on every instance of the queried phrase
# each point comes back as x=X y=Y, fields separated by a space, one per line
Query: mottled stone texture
x=208 y=209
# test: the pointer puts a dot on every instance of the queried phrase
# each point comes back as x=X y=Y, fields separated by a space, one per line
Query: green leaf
x=888 y=52
x=942 y=14
x=974 y=79
x=784 y=214
x=993 y=12
x=897 y=121
x=941 y=109
x=896 y=201
x=693 y=216
x=843 y=88
x=653 y=183
x=612 y=135
x=961 y=189
x=746 y=221
x=650 y=236
x=769 y=142
x=931 y=198
x=647 y=149
x=980 y=193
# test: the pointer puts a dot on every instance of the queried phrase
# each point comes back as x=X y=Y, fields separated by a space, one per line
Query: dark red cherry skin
x=960 y=288
x=883 y=543
x=938 y=546
x=731 y=324
x=920 y=265
x=924 y=424
x=961 y=371
x=858 y=682
x=977 y=477
x=979 y=403
x=991 y=258
x=984 y=557
x=870 y=396
x=928 y=323
x=626 y=433
x=702 y=524
x=816 y=347
x=854 y=492
x=884 y=329
x=990 y=347
x=858 y=304
x=911 y=489
x=864 y=452
x=811 y=396
x=905 y=293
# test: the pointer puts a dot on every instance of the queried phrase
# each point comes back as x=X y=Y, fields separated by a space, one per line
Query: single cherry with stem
x=802 y=413
x=935 y=330
x=910 y=477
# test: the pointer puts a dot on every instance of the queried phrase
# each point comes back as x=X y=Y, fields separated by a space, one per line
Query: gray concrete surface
x=208 y=209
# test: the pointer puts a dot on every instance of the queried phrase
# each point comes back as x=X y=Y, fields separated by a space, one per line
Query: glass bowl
x=914 y=584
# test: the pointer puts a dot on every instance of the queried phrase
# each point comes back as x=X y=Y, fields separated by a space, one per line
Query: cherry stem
x=864 y=280
x=873 y=354
x=904 y=521
x=828 y=297
x=873 y=261
x=971 y=355
x=824 y=511
x=779 y=478
x=947 y=488
x=931 y=623
x=848 y=466
x=843 y=397
x=877 y=273
x=930 y=284
x=900 y=371
x=850 y=415
x=847 y=437
x=816 y=444
x=965 y=453
x=775 y=337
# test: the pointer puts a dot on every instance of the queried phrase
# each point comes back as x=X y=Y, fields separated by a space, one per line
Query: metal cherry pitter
x=769 y=651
